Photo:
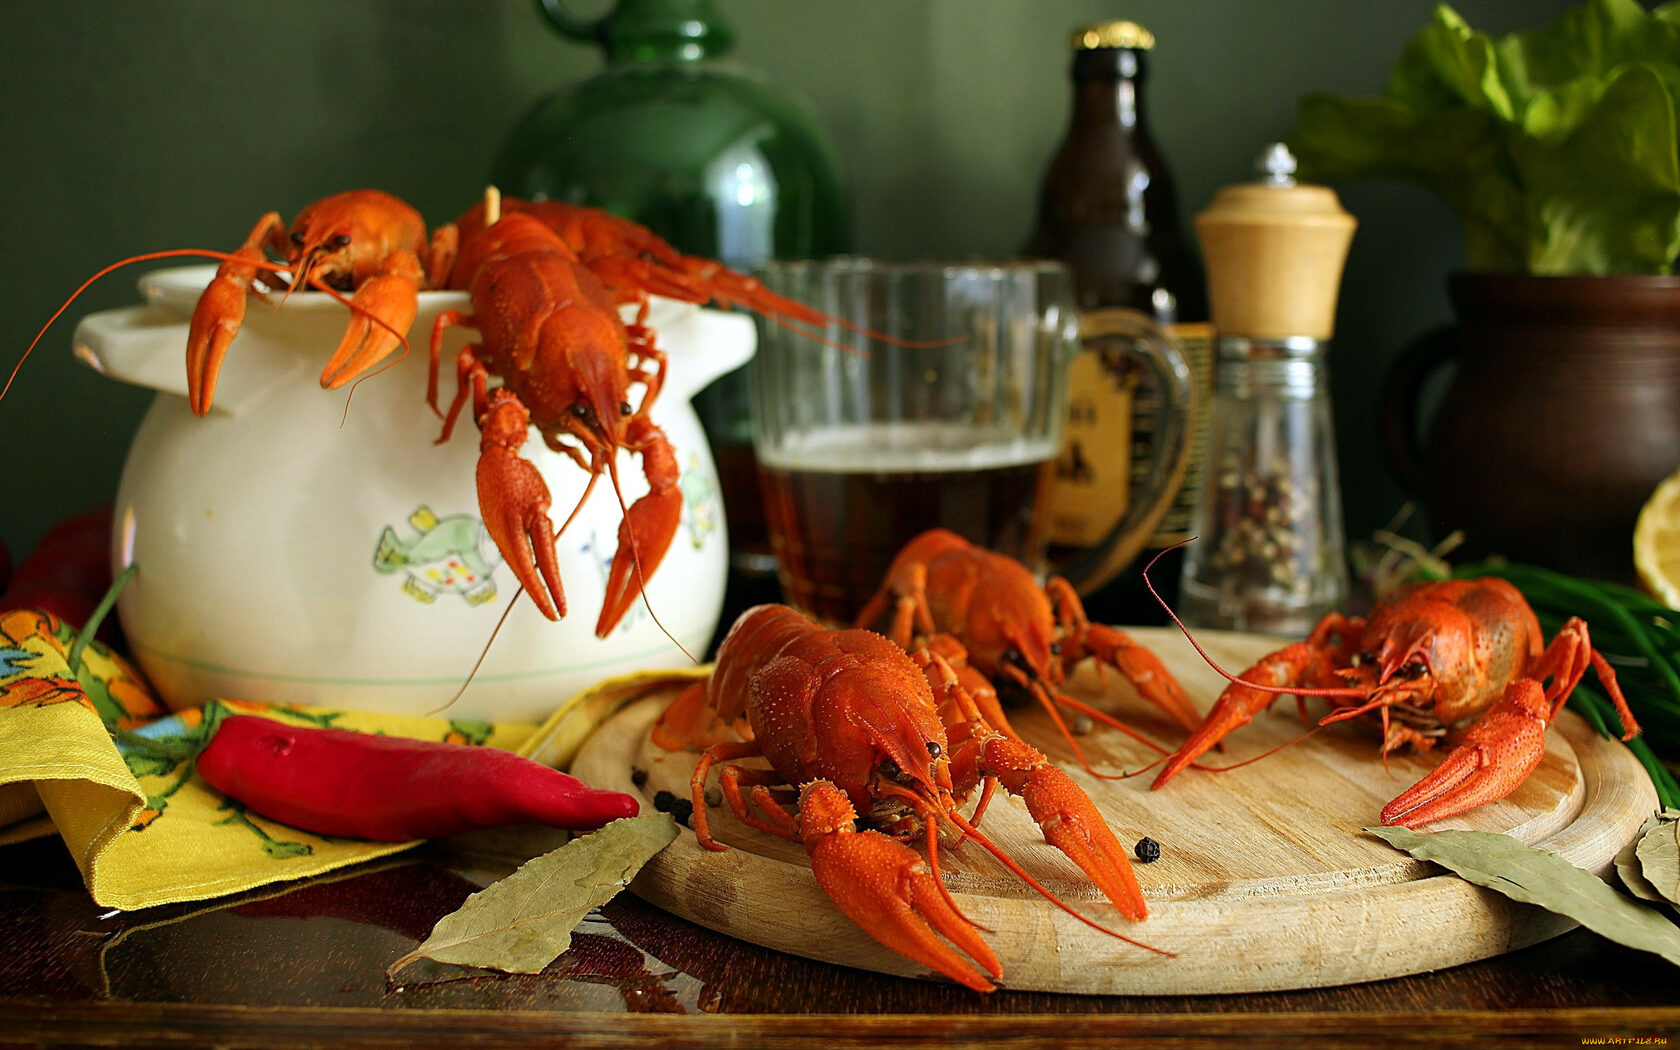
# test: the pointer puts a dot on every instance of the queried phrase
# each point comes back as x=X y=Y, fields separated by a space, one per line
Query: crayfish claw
x=1497 y=755
x=1235 y=708
x=890 y=891
x=1141 y=667
x=215 y=321
x=384 y=308
x=1302 y=664
x=514 y=500
x=1068 y=818
x=647 y=529
x=644 y=536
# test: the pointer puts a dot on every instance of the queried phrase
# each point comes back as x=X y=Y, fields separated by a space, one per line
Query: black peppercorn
x=1148 y=851
x=681 y=809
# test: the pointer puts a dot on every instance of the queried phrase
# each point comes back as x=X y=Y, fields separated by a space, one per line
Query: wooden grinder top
x=1274 y=251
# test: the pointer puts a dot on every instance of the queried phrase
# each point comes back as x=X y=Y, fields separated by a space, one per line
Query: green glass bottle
x=707 y=155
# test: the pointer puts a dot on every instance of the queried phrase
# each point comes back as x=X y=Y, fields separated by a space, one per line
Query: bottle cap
x=1116 y=34
x=1274 y=251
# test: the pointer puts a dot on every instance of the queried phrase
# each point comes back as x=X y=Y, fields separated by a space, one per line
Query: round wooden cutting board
x=1266 y=879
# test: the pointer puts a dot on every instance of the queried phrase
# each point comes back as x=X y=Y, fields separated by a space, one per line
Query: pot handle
x=139 y=345
x=147 y=346
x=1402 y=390
x=711 y=343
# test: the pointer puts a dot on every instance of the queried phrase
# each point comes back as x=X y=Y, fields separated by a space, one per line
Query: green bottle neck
x=650 y=30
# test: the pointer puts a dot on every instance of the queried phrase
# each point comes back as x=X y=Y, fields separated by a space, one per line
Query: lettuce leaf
x=1557 y=147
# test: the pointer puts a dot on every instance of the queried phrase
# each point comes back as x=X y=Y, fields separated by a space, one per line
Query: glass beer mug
x=937 y=397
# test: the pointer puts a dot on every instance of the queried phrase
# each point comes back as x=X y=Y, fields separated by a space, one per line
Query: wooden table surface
x=305 y=966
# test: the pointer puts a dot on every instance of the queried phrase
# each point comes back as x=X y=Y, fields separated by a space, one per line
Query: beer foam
x=894 y=448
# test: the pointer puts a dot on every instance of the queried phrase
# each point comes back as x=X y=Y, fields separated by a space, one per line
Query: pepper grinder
x=1268 y=553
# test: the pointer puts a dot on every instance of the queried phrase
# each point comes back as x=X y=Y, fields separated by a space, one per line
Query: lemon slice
x=1656 y=542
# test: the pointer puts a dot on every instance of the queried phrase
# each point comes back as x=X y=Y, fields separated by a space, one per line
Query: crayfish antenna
x=483 y=654
x=172 y=253
x=1021 y=873
x=1049 y=703
x=1109 y=720
x=1211 y=662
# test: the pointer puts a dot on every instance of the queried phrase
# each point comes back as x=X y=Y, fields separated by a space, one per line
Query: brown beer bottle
x=1109 y=210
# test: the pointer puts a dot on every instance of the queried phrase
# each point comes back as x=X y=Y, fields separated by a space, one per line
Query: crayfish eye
x=340 y=240
x=297 y=238
x=1012 y=656
x=1055 y=648
x=890 y=770
x=624 y=408
x=933 y=748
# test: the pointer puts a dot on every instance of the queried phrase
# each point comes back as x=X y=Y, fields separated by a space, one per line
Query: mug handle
x=1402 y=395
x=1163 y=357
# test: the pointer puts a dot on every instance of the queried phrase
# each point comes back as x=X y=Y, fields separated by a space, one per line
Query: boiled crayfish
x=1429 y=658
x=363 y=241
x=546 y=280
x=858 y=732
x=546 y=288
x=550 y=331
x=634 y=263
x=985 y=611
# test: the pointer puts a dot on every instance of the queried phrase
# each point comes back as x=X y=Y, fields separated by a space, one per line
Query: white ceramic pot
x=312 y=547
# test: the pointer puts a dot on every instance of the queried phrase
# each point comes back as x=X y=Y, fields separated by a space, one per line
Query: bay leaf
x=522 y=923
x=1659 y=859
x=1534 y=876
x=1627 y=863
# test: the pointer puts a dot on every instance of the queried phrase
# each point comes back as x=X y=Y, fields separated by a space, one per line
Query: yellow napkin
x=113 y=771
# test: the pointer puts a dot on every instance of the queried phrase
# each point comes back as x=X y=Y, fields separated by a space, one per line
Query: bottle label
x=1091 y=485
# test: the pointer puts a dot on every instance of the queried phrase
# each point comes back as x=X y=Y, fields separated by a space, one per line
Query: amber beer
x=838 y=514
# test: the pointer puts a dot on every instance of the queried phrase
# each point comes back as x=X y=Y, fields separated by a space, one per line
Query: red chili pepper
x=67 y=573
x=390 y=789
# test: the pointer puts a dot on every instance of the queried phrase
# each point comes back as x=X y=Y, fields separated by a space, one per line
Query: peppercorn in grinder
x=1268 y=553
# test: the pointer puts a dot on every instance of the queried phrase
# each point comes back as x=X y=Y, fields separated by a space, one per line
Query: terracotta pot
x=1563 y=415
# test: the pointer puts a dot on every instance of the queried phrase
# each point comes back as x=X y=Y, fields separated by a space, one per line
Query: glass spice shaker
x=1268 y=554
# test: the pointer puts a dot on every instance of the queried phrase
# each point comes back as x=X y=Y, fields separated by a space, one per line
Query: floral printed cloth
x=90 y=753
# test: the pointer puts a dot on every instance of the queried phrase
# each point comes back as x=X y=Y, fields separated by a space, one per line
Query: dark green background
x=137 y=126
